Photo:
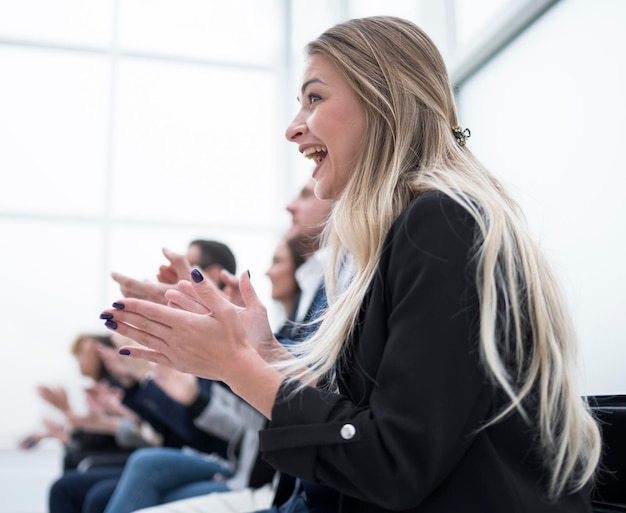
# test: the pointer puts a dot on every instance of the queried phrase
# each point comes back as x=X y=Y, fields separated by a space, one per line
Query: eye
x=314 y=98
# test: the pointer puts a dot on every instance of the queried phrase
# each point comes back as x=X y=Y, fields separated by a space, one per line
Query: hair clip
x=461 y=135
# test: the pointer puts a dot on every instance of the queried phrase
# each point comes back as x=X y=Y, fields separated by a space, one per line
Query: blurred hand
x=178 y=268
x=105 y=409
x=52 y=429
x=180 y=386
x=130 y=287
x=96 y=422
x=231 y=288
x=106 y=398
x=55 y=396
x=58 y=430
x=126 y=370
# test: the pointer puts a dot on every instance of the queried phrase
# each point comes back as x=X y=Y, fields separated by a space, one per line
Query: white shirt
x=310 y=276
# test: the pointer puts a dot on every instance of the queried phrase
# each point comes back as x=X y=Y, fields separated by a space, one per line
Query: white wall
x=547 y=116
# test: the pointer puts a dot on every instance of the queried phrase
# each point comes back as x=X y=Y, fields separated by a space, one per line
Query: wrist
x=255 y=381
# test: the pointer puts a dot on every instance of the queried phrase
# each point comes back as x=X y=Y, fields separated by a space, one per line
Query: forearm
x=255 y=381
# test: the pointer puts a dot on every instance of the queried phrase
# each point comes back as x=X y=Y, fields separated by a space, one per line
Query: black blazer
x=404 y=432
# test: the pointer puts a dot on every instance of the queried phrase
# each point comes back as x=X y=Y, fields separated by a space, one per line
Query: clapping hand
x=180 y=386
x=141 y=289
x=200 y=333
x=178 y=268
x=55 y=396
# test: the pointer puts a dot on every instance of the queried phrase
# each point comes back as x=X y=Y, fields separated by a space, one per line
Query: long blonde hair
x=409 y=148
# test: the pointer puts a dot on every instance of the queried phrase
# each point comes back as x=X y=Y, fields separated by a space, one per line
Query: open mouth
x=316 y=153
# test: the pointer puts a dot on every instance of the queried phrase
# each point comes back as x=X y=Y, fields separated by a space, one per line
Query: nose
x=296 y=128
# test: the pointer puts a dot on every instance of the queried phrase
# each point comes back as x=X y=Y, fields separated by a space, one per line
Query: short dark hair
x=215 y=253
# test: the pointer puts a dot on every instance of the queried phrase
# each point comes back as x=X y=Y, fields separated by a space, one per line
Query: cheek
x=283 y=274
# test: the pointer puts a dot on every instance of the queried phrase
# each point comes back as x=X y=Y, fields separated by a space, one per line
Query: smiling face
x=329 y=128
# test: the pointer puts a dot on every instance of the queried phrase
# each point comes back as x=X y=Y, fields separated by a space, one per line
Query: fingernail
x=248 y=271
x=196 y=276
x=119 y=306
x=125 y=352
x=106 y=315
x=110 y=324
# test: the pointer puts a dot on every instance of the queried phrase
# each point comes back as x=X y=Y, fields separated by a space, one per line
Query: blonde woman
x=442 y=378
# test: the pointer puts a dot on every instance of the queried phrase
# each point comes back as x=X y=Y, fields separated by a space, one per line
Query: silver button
x=347 y=431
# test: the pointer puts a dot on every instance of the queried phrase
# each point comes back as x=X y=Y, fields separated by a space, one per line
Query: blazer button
x=347 y=431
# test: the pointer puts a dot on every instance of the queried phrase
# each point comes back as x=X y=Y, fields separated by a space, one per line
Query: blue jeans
x=156 y=475
x=83 y=492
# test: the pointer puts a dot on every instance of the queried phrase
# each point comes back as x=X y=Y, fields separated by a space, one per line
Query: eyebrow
x=308 y=83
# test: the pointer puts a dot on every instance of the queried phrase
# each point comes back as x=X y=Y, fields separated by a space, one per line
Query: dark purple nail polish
x=248 y=271
x=125 y=352
x=119 y=306
x=106 y=315
x=196 y=276
x=110 y=324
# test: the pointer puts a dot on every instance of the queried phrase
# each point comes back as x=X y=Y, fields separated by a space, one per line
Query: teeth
x=316 y=153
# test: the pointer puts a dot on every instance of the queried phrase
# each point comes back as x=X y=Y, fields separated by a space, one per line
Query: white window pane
x=58 y=21
x=408 y=9
x=473 y=17
x=193 y=144
x=51 y=292
x=238 y=30
x=53 y=130
x=547 y=116
x=309 y=22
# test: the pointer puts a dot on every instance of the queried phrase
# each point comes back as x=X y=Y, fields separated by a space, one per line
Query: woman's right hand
x=203 y=334
x=253 y=315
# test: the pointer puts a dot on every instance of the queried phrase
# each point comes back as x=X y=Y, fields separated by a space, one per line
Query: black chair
x=609 y=493
x=89 y=450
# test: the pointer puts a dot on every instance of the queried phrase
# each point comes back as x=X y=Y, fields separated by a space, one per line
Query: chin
x=322 y=192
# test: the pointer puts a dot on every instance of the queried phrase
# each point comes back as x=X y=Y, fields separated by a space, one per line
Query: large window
x=132 y=125
x=127 y=126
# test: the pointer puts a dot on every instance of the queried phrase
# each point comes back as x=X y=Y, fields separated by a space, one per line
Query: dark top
x=173 y=420
x=404 y=432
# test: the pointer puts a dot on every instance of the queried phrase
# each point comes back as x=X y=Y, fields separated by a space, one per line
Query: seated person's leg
x=152 y=473
x=195 y=489
x=67 y=494
x=99 y=495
